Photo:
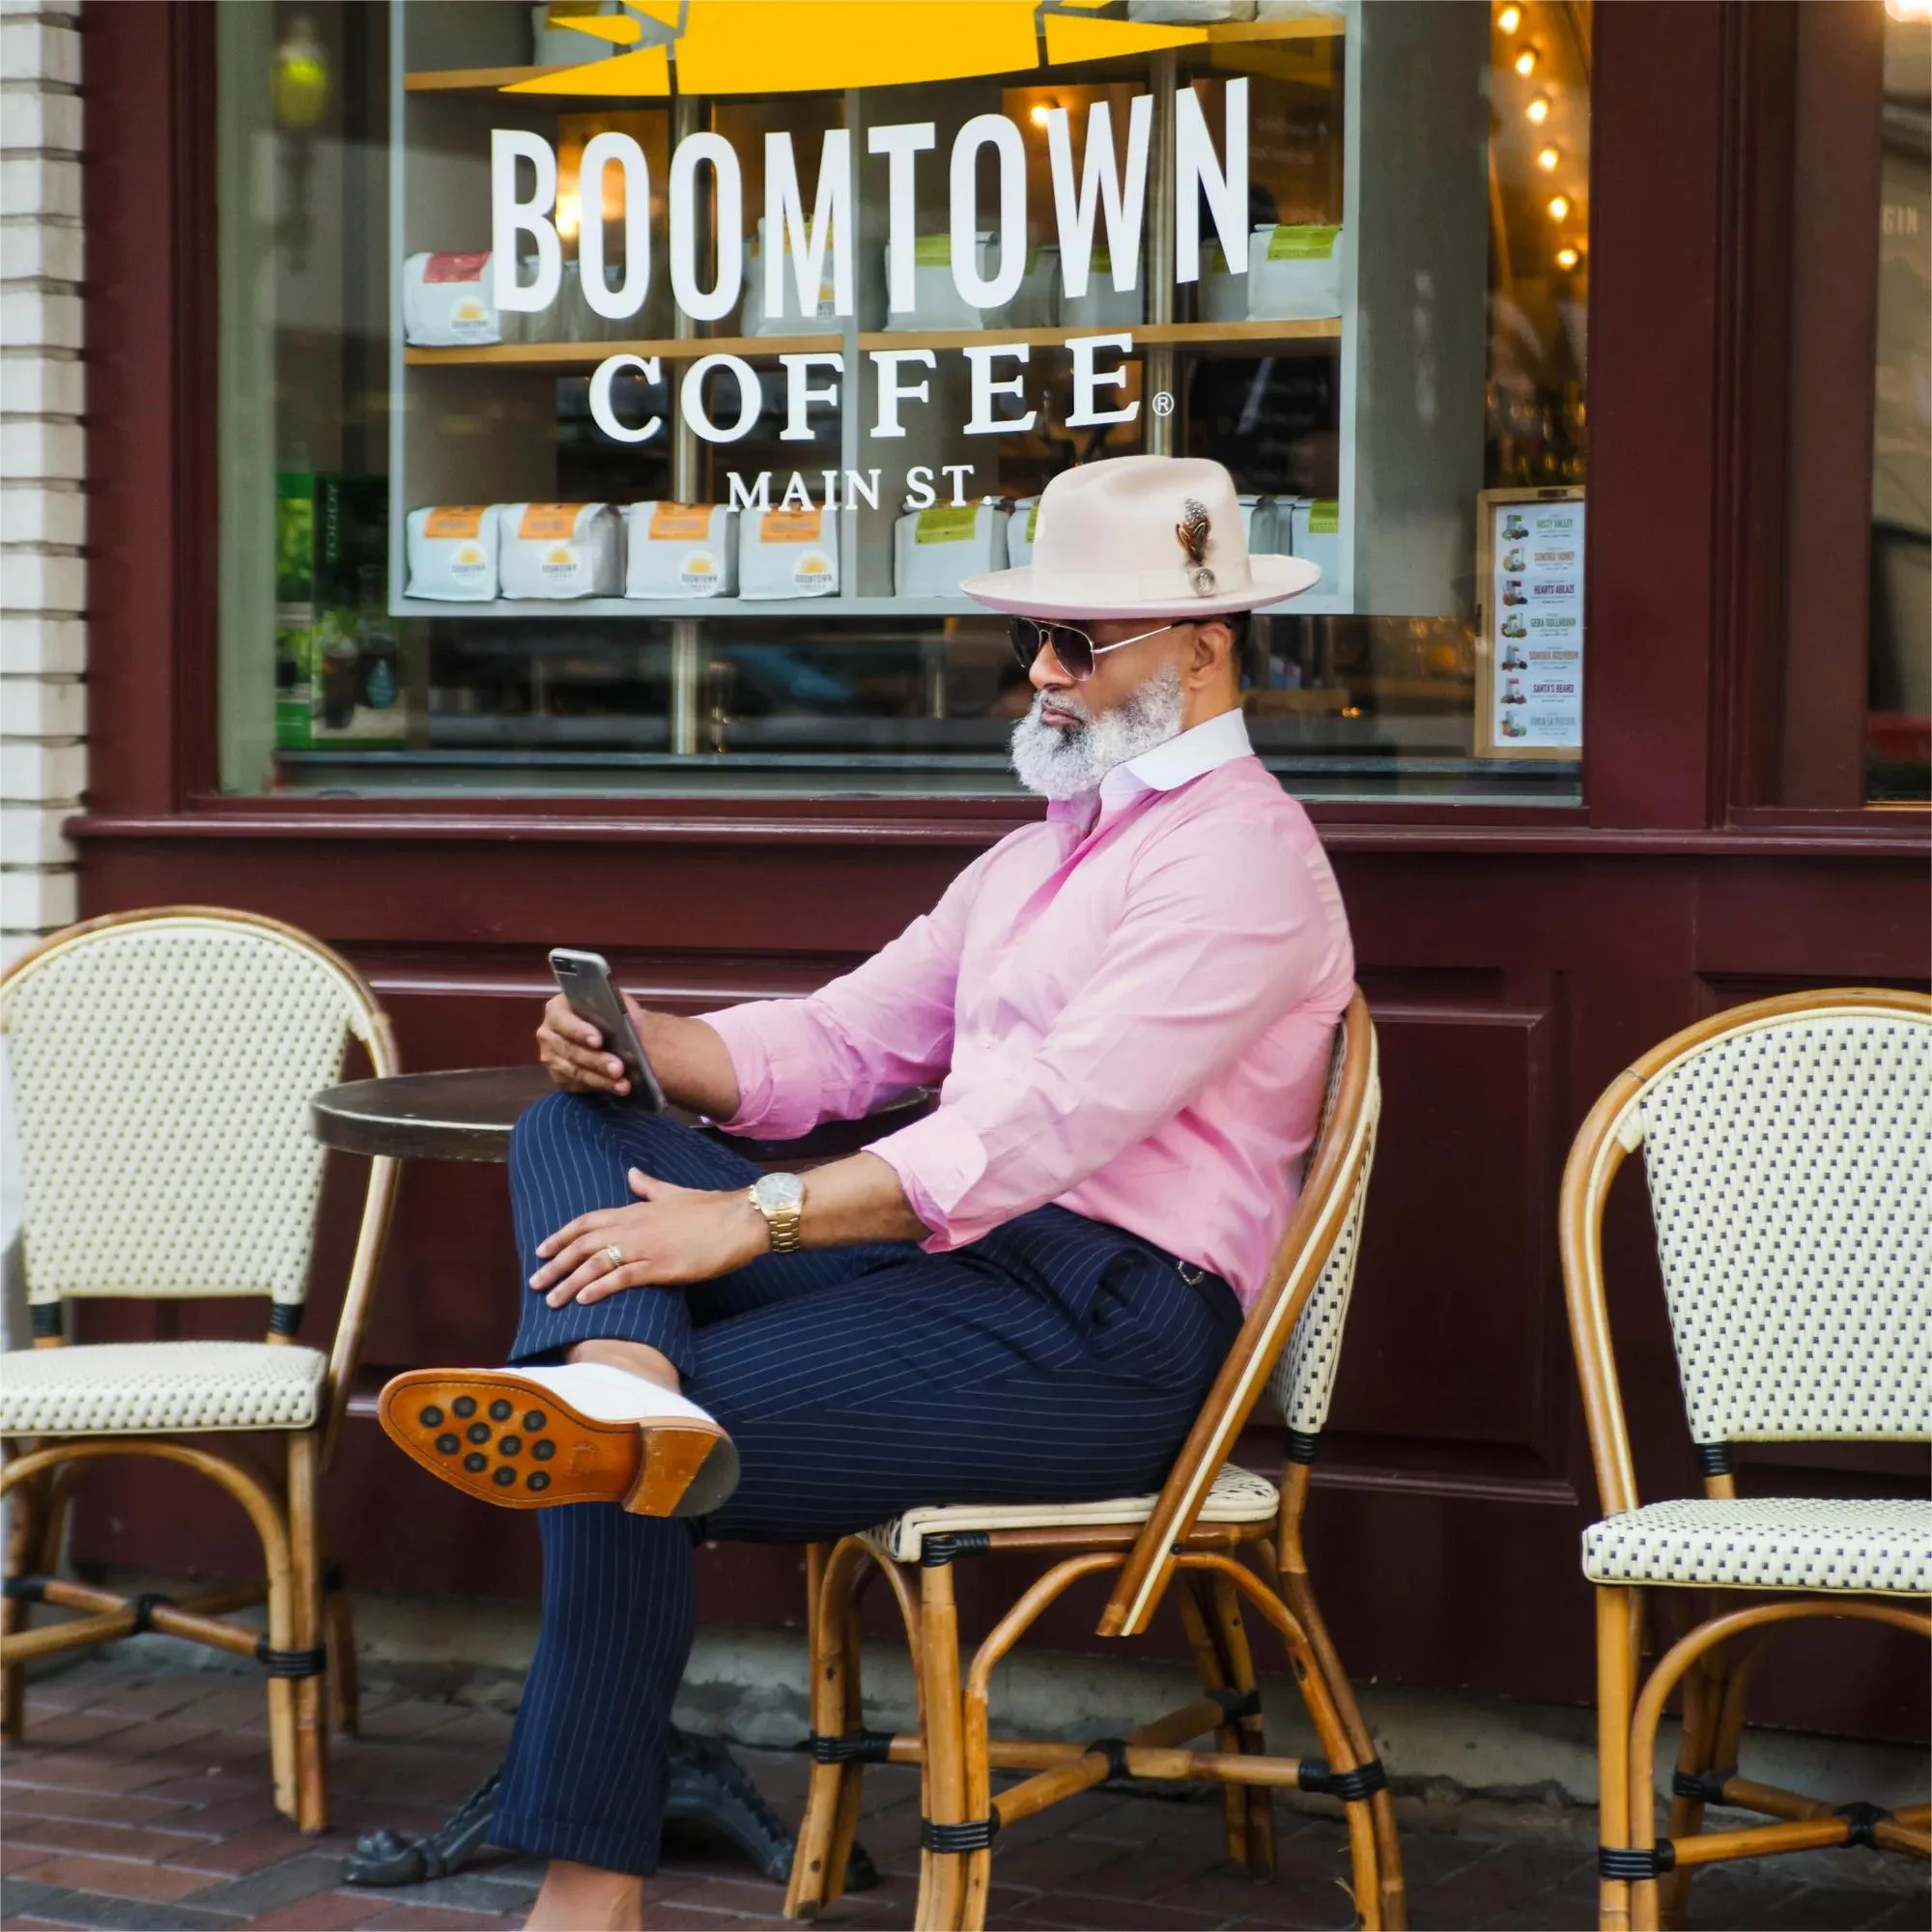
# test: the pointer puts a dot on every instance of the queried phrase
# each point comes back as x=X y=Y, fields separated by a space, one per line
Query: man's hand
x=674 y=1234
x=573 y=1052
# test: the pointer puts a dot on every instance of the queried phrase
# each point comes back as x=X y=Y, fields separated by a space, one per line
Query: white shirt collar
x=1182 y=759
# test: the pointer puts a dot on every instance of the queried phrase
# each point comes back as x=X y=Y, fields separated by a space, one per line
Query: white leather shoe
x=578 y=1432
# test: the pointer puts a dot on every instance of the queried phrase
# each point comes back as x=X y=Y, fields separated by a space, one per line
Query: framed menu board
x=1529 y=624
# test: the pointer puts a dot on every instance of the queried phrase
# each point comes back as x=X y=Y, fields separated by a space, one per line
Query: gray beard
x=1069 y=761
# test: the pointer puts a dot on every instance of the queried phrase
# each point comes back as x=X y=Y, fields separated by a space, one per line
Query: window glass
x=1899 y=725
x=613 y=397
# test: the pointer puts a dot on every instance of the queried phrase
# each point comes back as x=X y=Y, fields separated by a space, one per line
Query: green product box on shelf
x=338 y=671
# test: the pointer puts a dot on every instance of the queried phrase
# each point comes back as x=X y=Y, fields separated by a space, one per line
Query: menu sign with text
x=1530 y=694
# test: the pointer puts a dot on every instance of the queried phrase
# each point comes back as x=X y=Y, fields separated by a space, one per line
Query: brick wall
x=43 y=467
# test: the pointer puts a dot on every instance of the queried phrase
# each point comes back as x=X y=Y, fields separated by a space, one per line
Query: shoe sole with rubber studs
x=507 y=1440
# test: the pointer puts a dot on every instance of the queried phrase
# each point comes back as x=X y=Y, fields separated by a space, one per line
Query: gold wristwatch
x=781 y=1199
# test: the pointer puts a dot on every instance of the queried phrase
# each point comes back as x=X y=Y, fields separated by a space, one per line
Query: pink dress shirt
x=1130 y=1006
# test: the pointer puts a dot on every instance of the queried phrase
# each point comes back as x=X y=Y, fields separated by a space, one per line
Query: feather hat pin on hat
x=1142 y=536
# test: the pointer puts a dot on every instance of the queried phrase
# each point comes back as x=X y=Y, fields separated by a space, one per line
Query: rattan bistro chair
x=1787 y=1144
x=163 y=1064
x=1208 y=1517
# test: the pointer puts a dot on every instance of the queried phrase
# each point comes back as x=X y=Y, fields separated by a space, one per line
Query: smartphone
x=584 y=978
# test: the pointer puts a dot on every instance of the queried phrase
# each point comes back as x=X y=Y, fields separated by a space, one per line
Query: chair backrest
x=1788 y=1147
x=163 y=1064
x=1305 y=1297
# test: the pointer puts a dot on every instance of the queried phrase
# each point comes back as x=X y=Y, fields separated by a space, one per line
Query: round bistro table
x=467 y=1115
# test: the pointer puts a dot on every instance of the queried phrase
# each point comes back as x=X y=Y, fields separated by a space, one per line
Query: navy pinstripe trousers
x=1055 y=1359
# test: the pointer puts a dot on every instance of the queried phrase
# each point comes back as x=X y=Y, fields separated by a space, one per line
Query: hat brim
x=1272 y=579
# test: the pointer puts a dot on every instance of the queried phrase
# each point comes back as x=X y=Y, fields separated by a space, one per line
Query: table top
x=468 y=1113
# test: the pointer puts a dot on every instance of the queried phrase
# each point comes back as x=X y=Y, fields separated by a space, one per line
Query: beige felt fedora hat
x=1142 y=536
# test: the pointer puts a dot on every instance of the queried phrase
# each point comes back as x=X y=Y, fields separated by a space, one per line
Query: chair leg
x=1198 y=1619
x=1299 y=1591
x=310 y=1701
x=1618 y=1611
x=345 y=1683
x=1696 y=1754
x=24 y=1540
x=832 y=1795
x=942 y=1874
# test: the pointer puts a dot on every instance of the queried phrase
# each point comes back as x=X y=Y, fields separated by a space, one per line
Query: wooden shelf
x=750 y=608
x=570 y=355
x=489 y=79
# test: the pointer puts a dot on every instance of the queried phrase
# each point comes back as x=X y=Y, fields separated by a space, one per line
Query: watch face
x=779 y=1193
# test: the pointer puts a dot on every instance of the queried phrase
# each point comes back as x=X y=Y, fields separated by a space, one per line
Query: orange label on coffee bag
x=671 y=521
x=455 y=519
x=790 y=526
x=549 y=520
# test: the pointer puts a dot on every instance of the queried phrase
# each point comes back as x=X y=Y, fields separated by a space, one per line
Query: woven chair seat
x=124 y=1388
x=1238 y=1496
x=1775 y=1542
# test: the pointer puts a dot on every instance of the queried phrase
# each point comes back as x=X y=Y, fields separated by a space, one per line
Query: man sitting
x=1025 y=1294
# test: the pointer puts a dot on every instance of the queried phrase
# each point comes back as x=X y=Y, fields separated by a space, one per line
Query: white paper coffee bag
x=560 y=550
x=1295 y=273
x=1021 y=528
x=787 y=553
x=452 y=553
x=935 y=550
x=937 y=302
x=447 y=304
x=789 y=318
x=680 y=551
x=1315 y=532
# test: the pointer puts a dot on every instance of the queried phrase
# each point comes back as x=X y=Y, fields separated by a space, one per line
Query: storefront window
x=613 y=396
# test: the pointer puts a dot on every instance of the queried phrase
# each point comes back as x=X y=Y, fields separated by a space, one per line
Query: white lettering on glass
x=920 y=493
x=995 y=131
x=757 y=497
x=788 y=237
x=899 y=142
x=599 y=151
x=722 y=297
x=1100 y=189
x=1198 y=177
x=958 y=472
x=603 y=415
x=691 y=397
x=863 y=485
x=796 y=497
x=982 y=421
x=800 y=395
x=891 y=391
x=1085 y=414
x=511 y=218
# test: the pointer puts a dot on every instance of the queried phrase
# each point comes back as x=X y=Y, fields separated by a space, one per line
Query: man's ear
x=1214 y=647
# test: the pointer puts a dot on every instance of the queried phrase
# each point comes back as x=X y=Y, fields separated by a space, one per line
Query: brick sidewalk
x=141 y=1800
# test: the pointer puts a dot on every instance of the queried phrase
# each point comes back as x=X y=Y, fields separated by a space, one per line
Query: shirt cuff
x=938 y=1161
x=756 y=1036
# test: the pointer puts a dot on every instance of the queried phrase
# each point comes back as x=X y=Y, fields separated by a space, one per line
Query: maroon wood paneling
x=1654 y=200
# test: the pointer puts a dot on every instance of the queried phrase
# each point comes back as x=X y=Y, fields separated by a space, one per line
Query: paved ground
x=142 y=1801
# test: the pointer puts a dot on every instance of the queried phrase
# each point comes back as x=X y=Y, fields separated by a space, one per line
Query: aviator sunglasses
x=1074 y=648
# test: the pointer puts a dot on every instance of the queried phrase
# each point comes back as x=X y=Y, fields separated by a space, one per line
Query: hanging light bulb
x=1525 y=62
x=1538 y=110
x=1910 y=13
x=1559 y=207
x=1567 y=258
x=300 y=84
x=1509 y=19
x=1039 y=112
x=1548 y=158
